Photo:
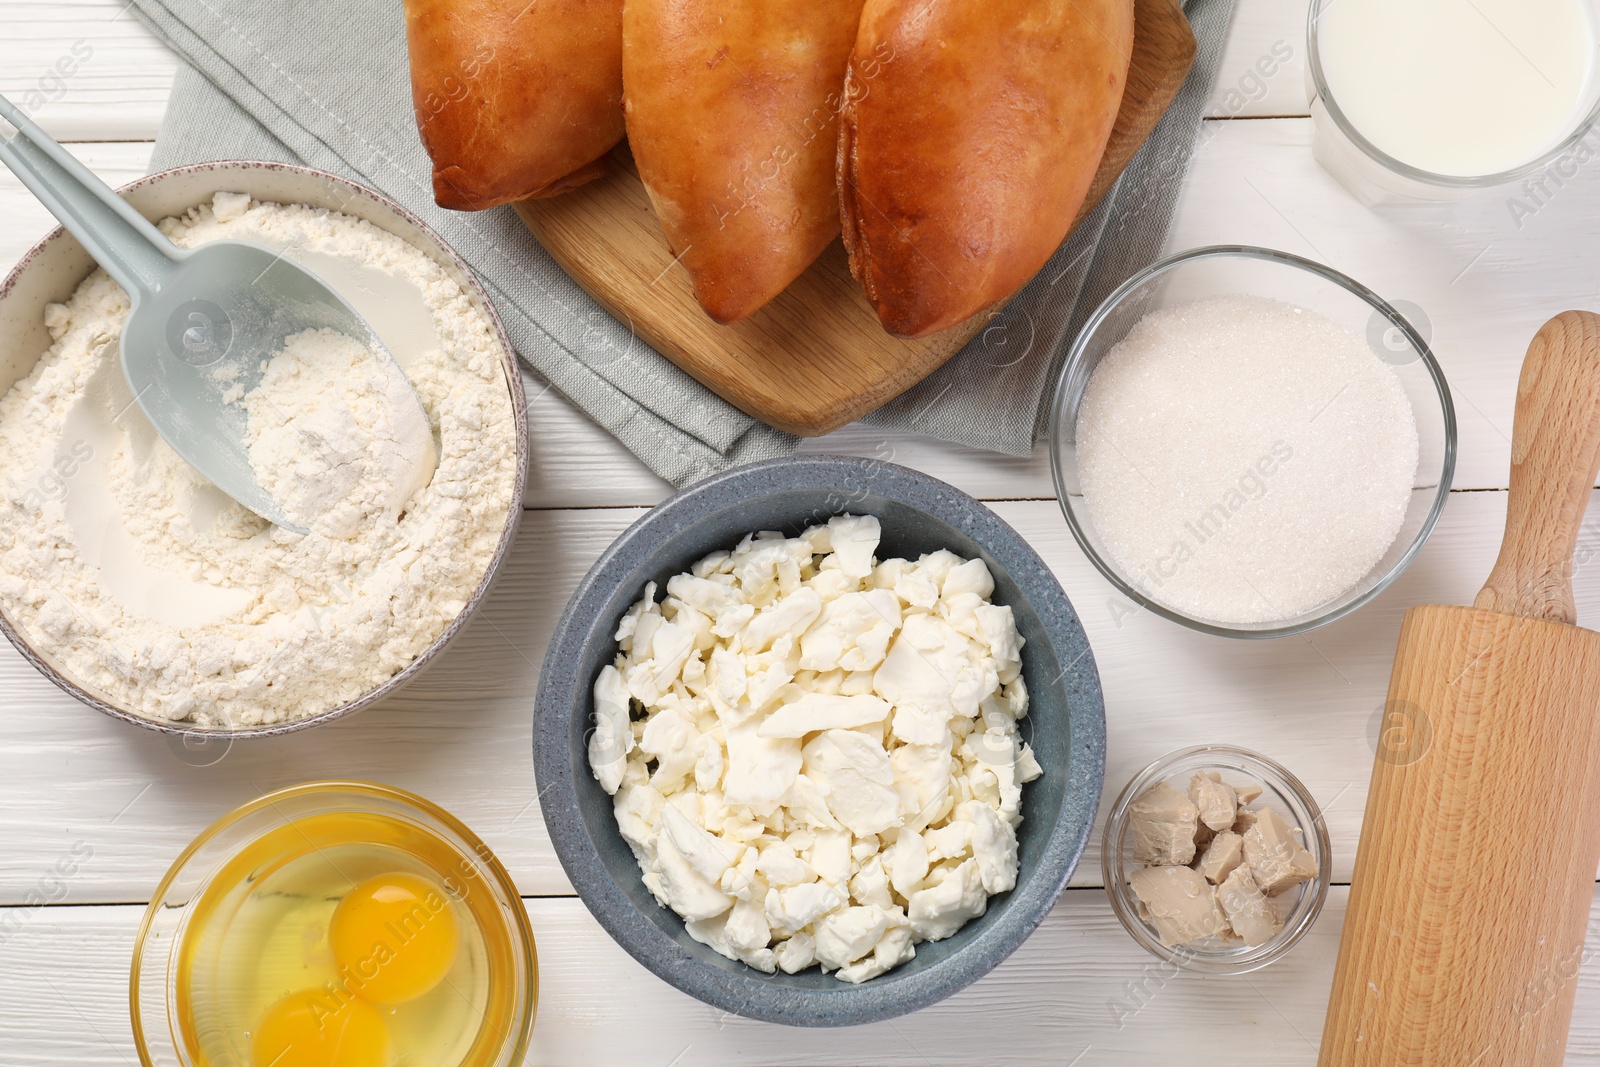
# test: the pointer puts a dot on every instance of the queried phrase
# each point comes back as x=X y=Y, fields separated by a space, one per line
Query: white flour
x=332 y=438
x=141 y=581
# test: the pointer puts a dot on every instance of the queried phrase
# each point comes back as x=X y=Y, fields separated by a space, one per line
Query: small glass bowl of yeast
x=335 y=923
x=1267 y=872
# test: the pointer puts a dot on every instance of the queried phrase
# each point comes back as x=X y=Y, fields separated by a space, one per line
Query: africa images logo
x=1207 y=524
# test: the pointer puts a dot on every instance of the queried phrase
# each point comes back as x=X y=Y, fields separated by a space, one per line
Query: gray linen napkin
x=328 y=86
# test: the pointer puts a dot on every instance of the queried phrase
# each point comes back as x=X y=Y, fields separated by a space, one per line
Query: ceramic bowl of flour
x=1249 y=443
x=129 y=583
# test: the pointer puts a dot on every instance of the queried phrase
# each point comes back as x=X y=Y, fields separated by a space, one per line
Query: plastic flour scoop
x=204 y=321
x=1472 y=886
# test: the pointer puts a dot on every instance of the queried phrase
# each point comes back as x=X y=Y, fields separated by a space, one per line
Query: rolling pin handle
x=1555 y=455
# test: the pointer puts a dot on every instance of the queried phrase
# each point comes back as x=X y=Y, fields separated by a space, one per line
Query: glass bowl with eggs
x=1249 y=443
x=1216 y=859
x=332 y=923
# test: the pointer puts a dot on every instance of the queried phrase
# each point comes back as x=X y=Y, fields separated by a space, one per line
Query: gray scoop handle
x=136 y=254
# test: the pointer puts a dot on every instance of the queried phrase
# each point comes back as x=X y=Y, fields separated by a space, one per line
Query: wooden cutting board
x=815 y=358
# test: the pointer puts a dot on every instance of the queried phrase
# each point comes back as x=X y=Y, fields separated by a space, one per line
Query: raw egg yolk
x=311 y=1029
x=394 y=937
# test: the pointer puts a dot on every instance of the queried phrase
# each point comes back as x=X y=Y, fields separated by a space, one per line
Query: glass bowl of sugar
x=1249 y=443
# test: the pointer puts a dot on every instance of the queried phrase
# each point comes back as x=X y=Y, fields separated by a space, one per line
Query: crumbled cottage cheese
x=814 y=755
x=141 y=581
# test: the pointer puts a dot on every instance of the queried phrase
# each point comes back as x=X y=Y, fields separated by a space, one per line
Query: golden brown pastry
x=732 y=110
x=971 y=131
x=515 y=98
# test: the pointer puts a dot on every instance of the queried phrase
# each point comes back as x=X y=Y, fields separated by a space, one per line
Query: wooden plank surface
x=86 y=70
x=1481 y=282
x=461 y=734
x=118 y=92
x=1078 y=993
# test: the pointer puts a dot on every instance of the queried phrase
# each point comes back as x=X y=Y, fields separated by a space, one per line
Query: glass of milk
x=1437 y=99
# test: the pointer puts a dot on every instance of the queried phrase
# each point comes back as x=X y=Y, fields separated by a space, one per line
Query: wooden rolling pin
x=1472 y=885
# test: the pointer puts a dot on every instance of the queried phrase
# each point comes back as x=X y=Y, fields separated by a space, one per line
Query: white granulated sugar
x=143 y=582
x=1244 y=460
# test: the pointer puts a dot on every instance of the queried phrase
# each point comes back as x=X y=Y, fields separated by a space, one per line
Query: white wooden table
x=74 y=783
